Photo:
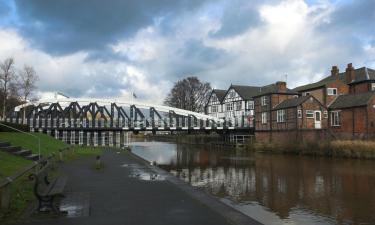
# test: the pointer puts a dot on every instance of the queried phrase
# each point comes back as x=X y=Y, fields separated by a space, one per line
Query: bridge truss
x=107 y=123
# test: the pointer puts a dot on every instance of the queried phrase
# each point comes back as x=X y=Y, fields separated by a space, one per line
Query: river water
x=274 y=189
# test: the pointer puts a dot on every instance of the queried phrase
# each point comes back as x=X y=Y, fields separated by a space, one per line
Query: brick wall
x=360 y=88
x=341 y=89
x=285 y=137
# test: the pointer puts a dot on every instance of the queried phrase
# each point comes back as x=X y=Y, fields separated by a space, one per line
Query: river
x=274 y=189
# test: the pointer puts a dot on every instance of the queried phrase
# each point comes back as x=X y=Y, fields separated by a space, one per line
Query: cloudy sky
x=94 y=48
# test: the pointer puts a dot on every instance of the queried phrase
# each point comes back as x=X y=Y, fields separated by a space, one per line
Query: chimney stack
x=281 y=86
x=349 y=73
x=334 y=71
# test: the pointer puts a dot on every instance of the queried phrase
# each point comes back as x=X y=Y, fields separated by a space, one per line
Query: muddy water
x=274 y=189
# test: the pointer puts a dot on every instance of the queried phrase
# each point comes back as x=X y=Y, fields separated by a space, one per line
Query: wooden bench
x=47 y=190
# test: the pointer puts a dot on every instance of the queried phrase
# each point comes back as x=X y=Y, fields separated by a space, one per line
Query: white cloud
x=74 y=74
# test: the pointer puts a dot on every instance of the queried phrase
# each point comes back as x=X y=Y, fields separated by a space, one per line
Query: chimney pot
x=349 y=73
x=281 y=86
x=334 y=71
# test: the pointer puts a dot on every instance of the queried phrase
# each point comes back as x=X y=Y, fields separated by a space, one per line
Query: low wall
x=292 y=136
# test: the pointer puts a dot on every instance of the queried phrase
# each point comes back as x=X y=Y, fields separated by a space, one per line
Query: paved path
x=119 y=195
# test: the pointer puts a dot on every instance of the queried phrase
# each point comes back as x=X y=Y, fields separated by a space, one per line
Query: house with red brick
x=352 y=116
x=351 y=81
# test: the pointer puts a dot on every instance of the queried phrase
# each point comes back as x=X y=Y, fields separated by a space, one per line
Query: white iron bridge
x=104 y=121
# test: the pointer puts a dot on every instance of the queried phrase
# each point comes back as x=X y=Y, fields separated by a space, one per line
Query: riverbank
x=356 y=149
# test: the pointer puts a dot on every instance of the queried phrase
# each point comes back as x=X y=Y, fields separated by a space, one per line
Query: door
x=318 y=119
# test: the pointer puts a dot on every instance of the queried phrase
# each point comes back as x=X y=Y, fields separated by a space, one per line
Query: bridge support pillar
x=118 y=139
x=72 y=137
x=102 y=134
x=110 y=138
x=95 y=138
x=57 y=135
x=88 y=139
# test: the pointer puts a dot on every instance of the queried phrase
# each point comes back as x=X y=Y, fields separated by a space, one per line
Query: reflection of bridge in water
x=100 y=122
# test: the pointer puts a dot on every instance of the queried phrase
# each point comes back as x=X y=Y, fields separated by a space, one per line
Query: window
x=214 y=98
x=306 y=93
x=281 y=116
x=263 y=100
x=238 y=105
x=214 y=108
x=299 y=113
x=331 y=91
x=309 y=114
x=373 y=87
x=325 y=114
x=335 y=118
x=264 y=117
x=229 y=106
x=250 y=105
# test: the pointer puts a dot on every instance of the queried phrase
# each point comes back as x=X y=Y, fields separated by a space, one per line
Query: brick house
x=301 y=113
x=351 y=81
x=353 y=115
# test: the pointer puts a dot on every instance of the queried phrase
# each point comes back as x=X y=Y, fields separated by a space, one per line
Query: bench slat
x=58 y=186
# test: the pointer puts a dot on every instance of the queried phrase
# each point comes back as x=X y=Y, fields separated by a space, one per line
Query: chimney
x=349 y=73
x=334 y=71
x=281 y=86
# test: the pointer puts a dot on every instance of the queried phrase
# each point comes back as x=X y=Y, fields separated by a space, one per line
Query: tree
x=7 y=77
x=27 y=84
x=190 y=94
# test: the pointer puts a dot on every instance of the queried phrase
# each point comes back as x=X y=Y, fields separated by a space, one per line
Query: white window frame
x=263 y=100
x=214 y=109
x=264 y=117
x=335 y=119
x=331 y=91
x=229 y=106
x=299 y=113
x=373 y=87
x=238 y=106
x=250 y=105
x=281 y=116
x=309 y=113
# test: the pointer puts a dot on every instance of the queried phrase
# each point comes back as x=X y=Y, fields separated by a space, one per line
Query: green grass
x=47 y=143
x=9 y=164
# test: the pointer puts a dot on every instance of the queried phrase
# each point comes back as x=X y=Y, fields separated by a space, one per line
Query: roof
x=246 y=92
x=292 y=102
x=219 y=94
x=352 y=100
x=364 y=74
x=271 y=89
x=361 y=74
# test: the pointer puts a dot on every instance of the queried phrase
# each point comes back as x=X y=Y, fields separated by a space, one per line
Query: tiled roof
x=364 y=74
x=351 y=100
x=246 y=92
x=219 y=94
x=361 y=74
x=292 y=102
x=272 y=88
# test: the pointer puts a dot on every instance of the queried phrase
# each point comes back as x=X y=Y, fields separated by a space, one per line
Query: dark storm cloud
x=66 y=26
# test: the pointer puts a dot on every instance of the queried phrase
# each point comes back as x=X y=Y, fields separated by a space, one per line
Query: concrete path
x=129 y=191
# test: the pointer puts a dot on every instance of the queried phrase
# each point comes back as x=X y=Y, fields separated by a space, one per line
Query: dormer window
x=331 y=91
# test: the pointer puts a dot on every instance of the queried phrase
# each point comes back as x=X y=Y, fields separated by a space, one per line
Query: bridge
x=104 y=122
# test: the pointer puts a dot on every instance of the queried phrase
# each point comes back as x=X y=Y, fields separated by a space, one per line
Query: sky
x=109 y=49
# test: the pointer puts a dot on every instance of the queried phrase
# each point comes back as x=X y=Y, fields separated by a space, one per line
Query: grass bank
x=47 y=143
x=358 y=149
x=22 y=188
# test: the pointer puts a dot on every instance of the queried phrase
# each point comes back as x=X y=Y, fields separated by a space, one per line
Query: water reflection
x=275 y=189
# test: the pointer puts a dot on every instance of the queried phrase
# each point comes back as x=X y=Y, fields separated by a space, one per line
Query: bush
x=21 y=127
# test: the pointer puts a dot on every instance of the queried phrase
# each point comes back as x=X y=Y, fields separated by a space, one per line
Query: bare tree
x=190 y=94
x=7 y=76
x=27 y=84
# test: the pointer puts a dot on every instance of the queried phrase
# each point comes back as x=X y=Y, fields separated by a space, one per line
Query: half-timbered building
x=214 y=105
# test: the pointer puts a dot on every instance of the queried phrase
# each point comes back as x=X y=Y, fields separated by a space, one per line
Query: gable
x=231 y=96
